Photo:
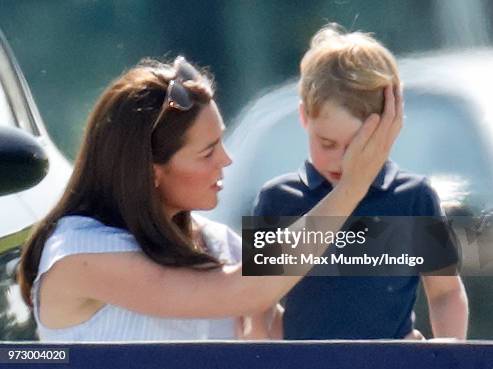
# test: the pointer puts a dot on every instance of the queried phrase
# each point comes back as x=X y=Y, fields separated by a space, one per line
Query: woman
x=121 y=258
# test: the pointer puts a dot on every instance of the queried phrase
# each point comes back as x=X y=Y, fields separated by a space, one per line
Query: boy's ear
x=303 y=115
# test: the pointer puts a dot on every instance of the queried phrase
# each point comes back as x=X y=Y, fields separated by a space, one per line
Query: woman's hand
x=415 y=335
x=370 y=148
x=262 y=326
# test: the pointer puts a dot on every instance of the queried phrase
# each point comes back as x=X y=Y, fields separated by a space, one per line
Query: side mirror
x=23 y=162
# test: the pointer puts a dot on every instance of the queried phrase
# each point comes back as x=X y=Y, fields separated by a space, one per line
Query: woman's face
x=191 y=179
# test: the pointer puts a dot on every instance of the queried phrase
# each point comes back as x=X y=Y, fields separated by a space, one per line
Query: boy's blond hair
x=348 y=68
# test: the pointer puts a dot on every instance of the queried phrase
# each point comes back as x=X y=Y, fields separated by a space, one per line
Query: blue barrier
x=296 y=355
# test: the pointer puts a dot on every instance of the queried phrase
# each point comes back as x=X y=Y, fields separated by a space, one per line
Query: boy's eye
x=209 y=153
x=328 y=146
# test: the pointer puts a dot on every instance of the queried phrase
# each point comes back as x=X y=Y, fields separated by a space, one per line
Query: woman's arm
x=133 y=281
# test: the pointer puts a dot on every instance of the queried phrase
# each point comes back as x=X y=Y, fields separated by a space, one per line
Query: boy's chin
x=333 y=181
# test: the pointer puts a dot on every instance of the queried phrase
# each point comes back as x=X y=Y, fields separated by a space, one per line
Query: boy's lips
x=335 y=175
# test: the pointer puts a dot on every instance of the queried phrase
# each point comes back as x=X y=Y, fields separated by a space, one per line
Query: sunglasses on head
x=177 y=96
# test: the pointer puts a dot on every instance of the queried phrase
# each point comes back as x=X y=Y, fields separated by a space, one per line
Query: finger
x=389 y=107
x=365 y=133
x=398 y=99
x=392 y=137
x=399 y=104
x=396 y=126
x=387 y=118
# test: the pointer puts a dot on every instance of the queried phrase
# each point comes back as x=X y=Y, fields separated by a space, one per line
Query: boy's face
x=329 y=135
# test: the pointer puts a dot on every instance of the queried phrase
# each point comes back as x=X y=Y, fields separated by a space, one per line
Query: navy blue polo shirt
x=322 y=307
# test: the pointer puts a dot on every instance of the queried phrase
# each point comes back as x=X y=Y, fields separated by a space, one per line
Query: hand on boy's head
x=391 y=119
x=371 y=146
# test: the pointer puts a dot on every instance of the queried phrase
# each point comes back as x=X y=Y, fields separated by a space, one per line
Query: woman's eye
x=209 y=154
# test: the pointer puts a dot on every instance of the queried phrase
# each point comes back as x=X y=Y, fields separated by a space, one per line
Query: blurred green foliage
x=70 y=49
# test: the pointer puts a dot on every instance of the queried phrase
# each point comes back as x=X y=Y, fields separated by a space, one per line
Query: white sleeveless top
x=79 y=234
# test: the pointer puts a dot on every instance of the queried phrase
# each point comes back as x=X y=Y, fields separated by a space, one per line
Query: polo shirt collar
x=313 y=179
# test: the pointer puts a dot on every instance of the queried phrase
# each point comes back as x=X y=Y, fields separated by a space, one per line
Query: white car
x=28 y=189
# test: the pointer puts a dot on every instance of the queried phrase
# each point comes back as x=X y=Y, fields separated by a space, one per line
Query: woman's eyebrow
x=211 y=145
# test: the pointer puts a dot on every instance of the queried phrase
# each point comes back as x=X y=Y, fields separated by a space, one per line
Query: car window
x=6 y=116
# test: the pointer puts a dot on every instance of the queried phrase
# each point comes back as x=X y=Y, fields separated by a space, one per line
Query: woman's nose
x=226 y=159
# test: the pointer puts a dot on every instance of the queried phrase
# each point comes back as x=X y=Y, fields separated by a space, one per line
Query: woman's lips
x=218 y=186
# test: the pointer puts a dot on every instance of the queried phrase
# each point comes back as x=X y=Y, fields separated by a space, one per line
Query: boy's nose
x=340 y=156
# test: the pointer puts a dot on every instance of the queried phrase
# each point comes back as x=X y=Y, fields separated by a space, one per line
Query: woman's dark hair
x=113 y=179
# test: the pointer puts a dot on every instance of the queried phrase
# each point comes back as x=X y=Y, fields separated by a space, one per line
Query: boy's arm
x=447 y=305
x=445 y=293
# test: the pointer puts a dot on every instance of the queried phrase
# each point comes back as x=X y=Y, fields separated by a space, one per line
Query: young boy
x=343 y=76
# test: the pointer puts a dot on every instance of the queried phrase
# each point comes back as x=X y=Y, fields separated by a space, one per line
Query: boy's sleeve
x=434 y=238
x=428 y=202
x=261 y=205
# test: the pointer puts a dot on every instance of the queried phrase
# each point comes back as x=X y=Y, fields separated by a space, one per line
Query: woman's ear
x=157 y=170
x=303 y=115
